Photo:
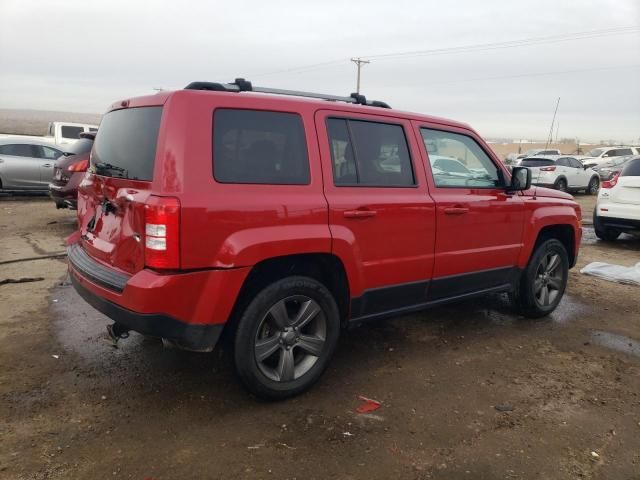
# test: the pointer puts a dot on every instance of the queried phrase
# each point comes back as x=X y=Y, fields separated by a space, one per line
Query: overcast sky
x=81 y=56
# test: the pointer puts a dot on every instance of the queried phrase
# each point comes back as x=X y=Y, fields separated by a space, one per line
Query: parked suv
x=562 y=173
x=279 y=220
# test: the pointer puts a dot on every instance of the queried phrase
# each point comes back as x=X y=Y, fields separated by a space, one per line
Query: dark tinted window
x=576 y=163
x=624 y=151
x=251 y=146
x=71 y=132
x=50 y=153
x=548 y=152
x=631 y=169
x=563 y=162
x=81 y=146
x=93 y=129
x=125 y=146
x=369 y=153
x=19 y=150
x=536 y=162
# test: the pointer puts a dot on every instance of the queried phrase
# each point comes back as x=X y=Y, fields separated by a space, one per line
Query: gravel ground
x=467 y=391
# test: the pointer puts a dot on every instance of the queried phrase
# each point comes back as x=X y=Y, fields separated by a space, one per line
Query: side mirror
x=585 y=167
x=520 y=179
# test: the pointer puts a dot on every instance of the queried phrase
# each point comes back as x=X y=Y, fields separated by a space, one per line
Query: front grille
x=95 y=271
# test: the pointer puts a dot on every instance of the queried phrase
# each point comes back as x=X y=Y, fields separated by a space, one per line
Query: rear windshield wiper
x=111 y=167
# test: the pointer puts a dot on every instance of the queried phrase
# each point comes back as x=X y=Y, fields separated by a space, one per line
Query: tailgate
x=112 y=196
x=627 y=191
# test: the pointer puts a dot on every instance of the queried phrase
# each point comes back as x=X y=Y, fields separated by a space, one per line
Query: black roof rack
x=242 y=85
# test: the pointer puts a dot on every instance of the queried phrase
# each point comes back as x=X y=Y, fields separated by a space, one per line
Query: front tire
x=544 y=281
x=286 y=337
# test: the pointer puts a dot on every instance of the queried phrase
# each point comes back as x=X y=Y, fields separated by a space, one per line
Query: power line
x=464 y=49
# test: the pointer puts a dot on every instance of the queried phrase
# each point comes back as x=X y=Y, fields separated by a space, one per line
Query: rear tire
x=602 y=232
x=543 y=282
x=286 y=337
x=561 y=184
x=593 y=187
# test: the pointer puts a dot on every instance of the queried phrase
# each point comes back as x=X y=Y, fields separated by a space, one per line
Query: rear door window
x=372 y=154
x=259 y=147
x=125 y=146
x=17 y=150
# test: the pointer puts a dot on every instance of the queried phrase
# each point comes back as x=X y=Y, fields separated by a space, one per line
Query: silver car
x=26 y=164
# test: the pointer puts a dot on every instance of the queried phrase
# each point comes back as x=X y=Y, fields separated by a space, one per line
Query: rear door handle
x=48 y=165
x=457 y=210
x=360 y=213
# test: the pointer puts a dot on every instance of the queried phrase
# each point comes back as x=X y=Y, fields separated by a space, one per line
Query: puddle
x=625 y=240
x=613 y=341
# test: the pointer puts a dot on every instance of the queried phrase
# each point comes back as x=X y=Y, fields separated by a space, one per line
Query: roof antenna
x=546 y=147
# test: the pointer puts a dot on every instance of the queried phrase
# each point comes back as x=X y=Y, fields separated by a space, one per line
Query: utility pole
x=359 y=62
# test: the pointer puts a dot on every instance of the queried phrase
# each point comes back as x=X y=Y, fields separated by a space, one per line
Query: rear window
x=536 y=162
x=71 y=132
x=81 y=146
x=125 y=145
x=252 y=146
x=631 y=169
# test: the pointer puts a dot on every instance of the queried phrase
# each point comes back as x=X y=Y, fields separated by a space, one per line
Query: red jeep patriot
x=280 y=217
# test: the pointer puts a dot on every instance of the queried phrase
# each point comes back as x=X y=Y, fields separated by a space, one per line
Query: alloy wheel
x=290 y=338
x=549 y=279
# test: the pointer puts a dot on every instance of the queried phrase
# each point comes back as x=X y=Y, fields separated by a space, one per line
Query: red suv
x=279 y=220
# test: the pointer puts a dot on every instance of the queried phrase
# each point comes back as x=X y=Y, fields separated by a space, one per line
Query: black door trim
x=405 y=298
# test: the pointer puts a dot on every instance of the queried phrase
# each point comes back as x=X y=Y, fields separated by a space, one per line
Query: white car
x=538 y=151
x=599 y=156
x=618 y=205
x=562 y=173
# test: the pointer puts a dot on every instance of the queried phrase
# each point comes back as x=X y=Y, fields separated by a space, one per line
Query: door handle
x=48 y=165
x=457 y=210
x=360 y=213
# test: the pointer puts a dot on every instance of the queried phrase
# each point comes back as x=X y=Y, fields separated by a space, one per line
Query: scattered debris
x=369 y=405
x=595 y=455
x=504 y=408
x=614 y=273
x=56 y=356
x=347 y=434
x=21 y=280
x=256 y=446
x=280 y=444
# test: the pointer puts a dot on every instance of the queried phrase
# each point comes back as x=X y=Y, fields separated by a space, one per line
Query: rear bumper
x=66 y=194
x=623 y=224
x=192 y=337
x=188 y=308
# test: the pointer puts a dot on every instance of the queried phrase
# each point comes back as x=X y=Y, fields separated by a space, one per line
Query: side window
x=17 y=150
x=51 y=153
x=93 y=129
x=369 y=153
x=575 y=163
x=563 y=162
x=624 y=151
x=71 y=132
x=252 y=146
x=458 y=161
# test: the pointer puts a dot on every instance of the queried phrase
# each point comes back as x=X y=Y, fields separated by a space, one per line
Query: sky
x=81 y=56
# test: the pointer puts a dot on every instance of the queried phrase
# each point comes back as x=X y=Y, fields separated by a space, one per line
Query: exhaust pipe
x=116 y=331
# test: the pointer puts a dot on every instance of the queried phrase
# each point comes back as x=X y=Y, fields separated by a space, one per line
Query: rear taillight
x=611 y=183
x=162 y=232
x=548 y=169
x=80 y=166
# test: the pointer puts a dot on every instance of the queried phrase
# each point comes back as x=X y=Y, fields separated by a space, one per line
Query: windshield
x=81 y=146
x=596 y=152
x=125 y=145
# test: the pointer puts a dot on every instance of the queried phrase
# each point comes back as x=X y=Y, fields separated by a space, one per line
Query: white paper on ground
x=614 y=273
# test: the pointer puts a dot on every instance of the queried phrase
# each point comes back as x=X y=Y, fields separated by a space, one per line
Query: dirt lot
x=72 y=406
